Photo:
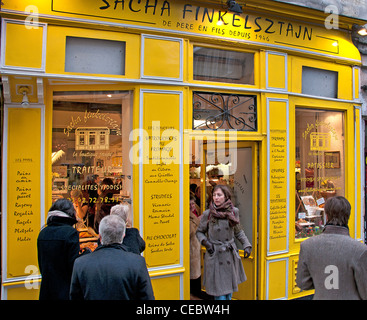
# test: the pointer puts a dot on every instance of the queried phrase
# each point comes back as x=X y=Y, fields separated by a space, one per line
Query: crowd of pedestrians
x=332 y=263
x=115 y=270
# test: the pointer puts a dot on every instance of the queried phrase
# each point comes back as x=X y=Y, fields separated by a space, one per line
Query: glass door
x=233 y=164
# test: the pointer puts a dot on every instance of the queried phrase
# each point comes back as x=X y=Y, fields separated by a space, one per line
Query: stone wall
x=349 y=8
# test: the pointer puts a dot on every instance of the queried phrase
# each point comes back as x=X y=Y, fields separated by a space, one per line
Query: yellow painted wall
x=167 y=52
x=24 y=46
x=277 y=71
x=171 y=285
x=20 y=291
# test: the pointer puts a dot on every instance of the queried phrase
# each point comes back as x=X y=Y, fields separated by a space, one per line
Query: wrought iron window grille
x=224 y=111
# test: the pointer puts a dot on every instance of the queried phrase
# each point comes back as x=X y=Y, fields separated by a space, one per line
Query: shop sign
x=187 y=17
x=200 y=19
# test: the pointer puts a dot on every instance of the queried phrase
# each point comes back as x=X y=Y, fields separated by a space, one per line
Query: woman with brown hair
x=219 y=225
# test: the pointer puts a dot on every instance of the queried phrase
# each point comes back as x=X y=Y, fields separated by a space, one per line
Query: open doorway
x=234 y=164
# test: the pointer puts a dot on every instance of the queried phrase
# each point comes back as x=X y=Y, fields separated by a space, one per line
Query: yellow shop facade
x=164 y=97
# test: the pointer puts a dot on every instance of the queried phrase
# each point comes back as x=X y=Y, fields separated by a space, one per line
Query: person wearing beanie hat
x=58 y=247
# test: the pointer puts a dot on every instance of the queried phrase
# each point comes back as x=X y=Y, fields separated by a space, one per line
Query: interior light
x=109 y=95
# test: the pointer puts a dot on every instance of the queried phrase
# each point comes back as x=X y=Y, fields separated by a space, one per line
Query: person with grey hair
x=112 y=230
x=132 y=239
x=333 y=263
x=111 y=272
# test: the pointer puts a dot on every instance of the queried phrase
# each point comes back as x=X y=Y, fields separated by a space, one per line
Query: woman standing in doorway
x=219 y=225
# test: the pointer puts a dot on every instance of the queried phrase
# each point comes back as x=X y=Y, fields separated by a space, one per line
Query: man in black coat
x=111 y=272
x=58 y=247
x=132 y=240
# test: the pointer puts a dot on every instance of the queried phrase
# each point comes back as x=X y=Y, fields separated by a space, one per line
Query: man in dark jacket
x=58 y=247
x=111 y=272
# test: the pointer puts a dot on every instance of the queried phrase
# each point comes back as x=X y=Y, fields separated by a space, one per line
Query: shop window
x=224 y=111
x=96 y=56
x=223 y=66
x=320 y=82
x=319 y=166
x=90 y=147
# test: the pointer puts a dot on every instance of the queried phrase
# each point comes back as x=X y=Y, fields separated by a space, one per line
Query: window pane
x=319 y=166
x=87 y=55
x=92 y=139
x=81 y=139
x=90 y=130
x=224 y=111
x=102 y=139
x=319 y=82
x=223 y=66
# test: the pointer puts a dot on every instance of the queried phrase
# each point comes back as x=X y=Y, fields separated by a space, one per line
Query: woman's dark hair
x=64 y=205
x=227 y=192
x=108 y=188
x=337 y=210
x=107 y=182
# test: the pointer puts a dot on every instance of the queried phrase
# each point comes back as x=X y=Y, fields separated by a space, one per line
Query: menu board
x=161 y=183
x=277 y=179
x=23 y=189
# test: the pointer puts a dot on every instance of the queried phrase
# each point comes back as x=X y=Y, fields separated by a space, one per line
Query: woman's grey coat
x=223 y=270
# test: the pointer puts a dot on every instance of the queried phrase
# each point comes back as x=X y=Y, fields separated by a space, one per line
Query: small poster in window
x=309 y=204
x=332 y=159
x=308 y=201
x=320 y=201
